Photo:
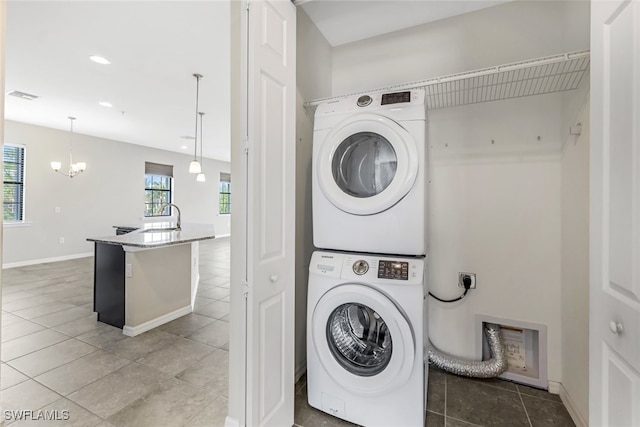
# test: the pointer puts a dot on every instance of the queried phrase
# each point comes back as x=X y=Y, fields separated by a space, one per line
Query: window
x=225 y=193
x=158 y=184
x=13 y=183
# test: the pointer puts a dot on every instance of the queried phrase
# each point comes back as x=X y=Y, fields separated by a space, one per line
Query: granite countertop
x=155 y=234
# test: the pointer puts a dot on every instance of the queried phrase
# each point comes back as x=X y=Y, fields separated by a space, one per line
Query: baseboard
x=154 y=323
x=231 y=422
x=576 y=416
x=554 y=387
x=45 y=260
x=194 y=292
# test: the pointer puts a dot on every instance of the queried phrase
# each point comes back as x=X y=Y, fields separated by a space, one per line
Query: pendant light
x=201 y=177
x=194 y=166
x=74 y=168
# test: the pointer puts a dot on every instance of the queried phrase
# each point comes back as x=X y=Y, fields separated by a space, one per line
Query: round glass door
x=367 y=164
x=364 y=164
x=359 y=339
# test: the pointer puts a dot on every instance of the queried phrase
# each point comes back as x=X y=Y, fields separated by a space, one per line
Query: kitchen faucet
x=178 y=224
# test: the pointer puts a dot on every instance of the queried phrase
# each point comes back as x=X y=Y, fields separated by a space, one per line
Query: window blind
x=158 y=169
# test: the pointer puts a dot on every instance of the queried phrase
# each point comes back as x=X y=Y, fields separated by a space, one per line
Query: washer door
x=367 y=164
x=362 y=340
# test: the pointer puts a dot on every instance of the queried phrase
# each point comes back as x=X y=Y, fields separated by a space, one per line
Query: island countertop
x=156 y=234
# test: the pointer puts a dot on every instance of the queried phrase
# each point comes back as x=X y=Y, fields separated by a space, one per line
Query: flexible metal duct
x=473 y=368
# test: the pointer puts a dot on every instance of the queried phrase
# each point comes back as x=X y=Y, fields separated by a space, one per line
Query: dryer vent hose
x=472 y=368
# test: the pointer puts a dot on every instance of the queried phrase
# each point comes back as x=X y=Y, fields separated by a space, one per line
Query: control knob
x=360 y=267
x=364 y=100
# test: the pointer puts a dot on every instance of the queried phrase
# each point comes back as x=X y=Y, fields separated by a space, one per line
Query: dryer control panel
x=404 y=105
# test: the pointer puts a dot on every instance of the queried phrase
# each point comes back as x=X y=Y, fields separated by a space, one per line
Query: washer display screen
x=396 y=270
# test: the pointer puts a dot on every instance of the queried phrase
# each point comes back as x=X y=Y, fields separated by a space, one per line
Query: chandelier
x=74 y=168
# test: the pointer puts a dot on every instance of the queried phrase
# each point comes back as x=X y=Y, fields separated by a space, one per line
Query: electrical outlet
x=461 y=277
x=61 y=240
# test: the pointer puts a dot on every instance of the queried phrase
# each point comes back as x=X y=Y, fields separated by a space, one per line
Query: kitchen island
x=147 y=277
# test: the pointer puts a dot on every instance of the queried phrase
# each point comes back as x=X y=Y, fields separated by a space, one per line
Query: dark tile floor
x=56 y=356
x=454 y=401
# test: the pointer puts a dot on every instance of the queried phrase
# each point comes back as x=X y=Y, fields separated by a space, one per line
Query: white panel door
x=3 y=10
x=271 y=212
x=3 y=26
x=614 y=389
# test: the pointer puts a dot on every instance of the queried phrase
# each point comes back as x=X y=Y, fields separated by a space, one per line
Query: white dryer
x=366 y=331
x=370 y=174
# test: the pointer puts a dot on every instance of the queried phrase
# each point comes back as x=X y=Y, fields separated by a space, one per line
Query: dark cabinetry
x=108 y=284
x=124 y=230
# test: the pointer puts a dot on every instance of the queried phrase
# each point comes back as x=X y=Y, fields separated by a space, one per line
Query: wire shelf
x=533 y=80
x=526 y=78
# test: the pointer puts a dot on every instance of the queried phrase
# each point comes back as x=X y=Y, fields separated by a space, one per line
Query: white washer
x=366 y=327
x=370 y=174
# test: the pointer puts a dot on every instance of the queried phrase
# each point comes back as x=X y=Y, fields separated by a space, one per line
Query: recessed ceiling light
x=100 y=60
x=105 y=104
x=184 y=147
x=22 y=95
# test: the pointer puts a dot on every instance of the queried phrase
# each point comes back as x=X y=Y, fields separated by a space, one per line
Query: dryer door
x=367 y=164
x=362 y=340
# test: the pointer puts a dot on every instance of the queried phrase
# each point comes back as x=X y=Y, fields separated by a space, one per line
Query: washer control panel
x=368 y=268
x=395 y=270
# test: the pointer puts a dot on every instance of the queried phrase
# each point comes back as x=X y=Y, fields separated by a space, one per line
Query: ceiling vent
x=22 y=95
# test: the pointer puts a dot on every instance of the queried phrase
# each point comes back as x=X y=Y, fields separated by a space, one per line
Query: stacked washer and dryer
x=366 y=307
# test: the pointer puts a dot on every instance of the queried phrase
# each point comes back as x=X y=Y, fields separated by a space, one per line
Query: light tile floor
x=56 y=356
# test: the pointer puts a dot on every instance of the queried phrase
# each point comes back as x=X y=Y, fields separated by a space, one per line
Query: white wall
x=313 y=81
x=575 y=260
x=495 y=209
x=510 y=32
x=110 y=192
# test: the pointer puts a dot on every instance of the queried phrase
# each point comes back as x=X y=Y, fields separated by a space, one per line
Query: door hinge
x=247 y=3
x=246 y=146
x=245 y=289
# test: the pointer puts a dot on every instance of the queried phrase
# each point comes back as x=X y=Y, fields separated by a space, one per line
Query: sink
x=159 y=230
